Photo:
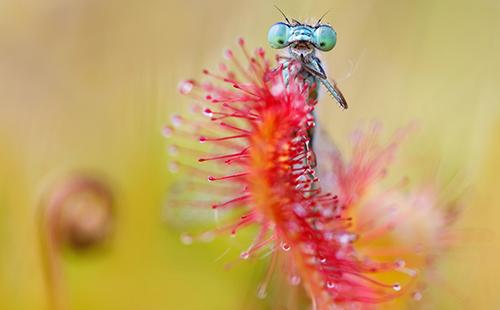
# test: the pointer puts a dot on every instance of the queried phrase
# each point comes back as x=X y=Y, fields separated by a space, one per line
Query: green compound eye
x=278 y=35
x=325 y=37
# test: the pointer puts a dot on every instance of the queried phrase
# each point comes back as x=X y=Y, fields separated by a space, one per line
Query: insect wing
x=335 y=92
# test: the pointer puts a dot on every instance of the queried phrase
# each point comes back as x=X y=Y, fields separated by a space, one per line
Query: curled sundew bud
x=75 y=213
x=78 y=212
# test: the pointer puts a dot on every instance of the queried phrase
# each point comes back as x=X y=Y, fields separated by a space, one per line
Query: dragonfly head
x=302 y=40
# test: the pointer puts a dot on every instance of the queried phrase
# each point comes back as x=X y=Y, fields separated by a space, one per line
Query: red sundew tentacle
x=326 y=199
x=369 y=280
x=231 y=202
x=191 y=89
x=255 y=66
x=241 y=43
x=225 y=145
x=223 y=67
x=258 y=246
x=187 y=150
x=223 y=98
x=230 y=228
x=370 y=296
x=232 y=176
x=224 y=116
x=246 y=108
x=227 y=156
x=235 y=115
x=190 y=130
x=218 y=77
x=195 y=171
x=213 y=125
x=251 y=60
x=242 y=114
x=251 y=116
x=242 y=223
x=312 y=191
x=267 y=278
x=206 y=139
x=229 y=54
x=260 y=241
x=245 y=89
x=168 y=131
x=261 y=61
x=224 y=124
x=303 y=169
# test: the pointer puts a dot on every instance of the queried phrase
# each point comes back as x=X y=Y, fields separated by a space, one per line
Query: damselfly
x=302 y=41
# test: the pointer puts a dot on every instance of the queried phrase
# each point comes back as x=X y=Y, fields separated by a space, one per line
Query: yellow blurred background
x=86 y=85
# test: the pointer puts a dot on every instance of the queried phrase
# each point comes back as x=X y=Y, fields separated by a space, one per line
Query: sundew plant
x=332 y=227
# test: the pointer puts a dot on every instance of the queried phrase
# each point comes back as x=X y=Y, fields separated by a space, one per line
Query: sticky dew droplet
x=172 y=150
x=400 y=263
x=208 y=236
x=173 y=167
x=185 y=87
x=294 y=280
x=262 y=292
x=176 y=120
x=208 y=112
x=330 y=284
x=417 y=296
x=285 y=246
x=244 y=255
x=186 y=239
x=167 y=131
x=396 y=287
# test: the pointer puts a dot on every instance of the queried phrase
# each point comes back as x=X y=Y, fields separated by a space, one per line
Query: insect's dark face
x=302 y=40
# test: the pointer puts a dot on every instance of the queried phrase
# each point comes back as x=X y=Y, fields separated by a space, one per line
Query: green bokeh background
x=86 y=85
